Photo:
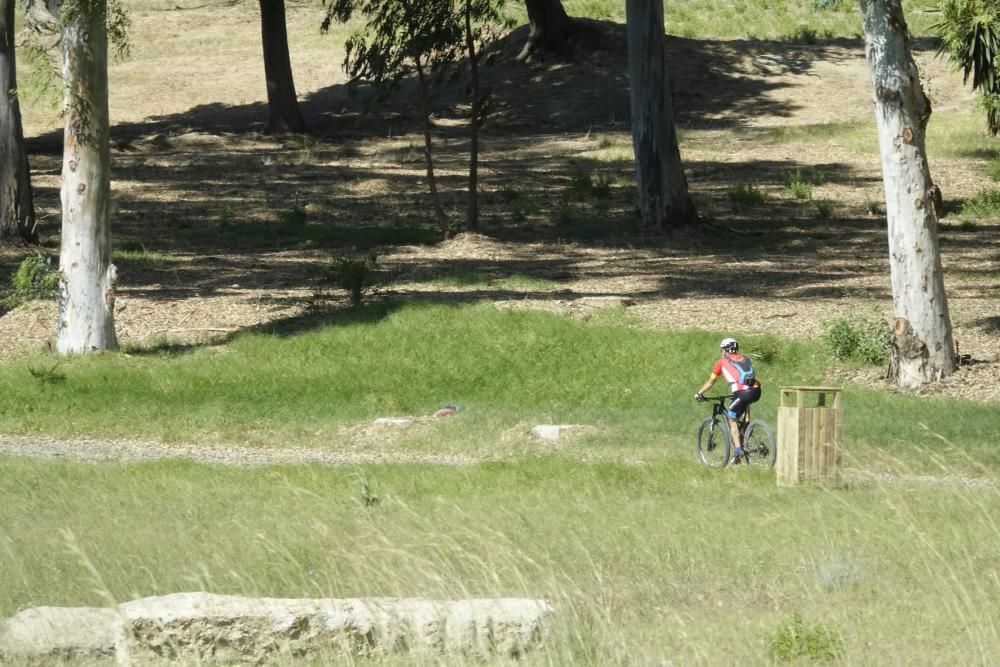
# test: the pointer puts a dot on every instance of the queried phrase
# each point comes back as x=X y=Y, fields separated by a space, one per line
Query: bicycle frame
x=752 y=445
x=719 y=410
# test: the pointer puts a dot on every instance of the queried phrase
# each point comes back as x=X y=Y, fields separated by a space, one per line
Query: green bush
x=795 y=640
x=984 y=205
x=797 y=185
x=35 y=278
x=993 y=170
x=358 y=276
x=857 y=338
x=746 y=195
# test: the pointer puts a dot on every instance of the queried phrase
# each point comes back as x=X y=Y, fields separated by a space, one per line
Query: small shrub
x=797 y=185
x=564 y=215
x=601 y=188
x=765 y=349
x=795 y=640
x=226 y=212
x=605 y=141
x=131 y=246
x=368 y=496
x=859 y=339
x=831 y=5
x=522 y=206
x=746 y=195
x=47 y=375
x=993 y=169
x=36 y=278
x=581 y=186
x=294 y=217
x=985 y=205
x=358 y=276
x=824 y=210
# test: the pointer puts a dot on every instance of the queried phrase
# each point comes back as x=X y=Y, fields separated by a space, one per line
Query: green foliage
x=993 y=169
x=522 y=206
x=970 y=35
x=795 y=640
x=984 y=205
x=746 y=195
x=294 y=217
x=584 y=186
x=797 y=186
x=367 y=494
x=398 y=36
x=47 y=375
x=831 y=5
x=111 y=13
x=824 y=210
x=358 y=276
x=36 y=277
x=857 y=338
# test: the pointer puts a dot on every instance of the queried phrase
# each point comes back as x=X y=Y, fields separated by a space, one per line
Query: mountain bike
x=715 y=446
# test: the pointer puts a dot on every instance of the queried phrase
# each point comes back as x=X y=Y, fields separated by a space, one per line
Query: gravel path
x=126 y=451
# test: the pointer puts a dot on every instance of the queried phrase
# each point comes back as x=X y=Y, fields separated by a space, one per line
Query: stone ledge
x=222 y=628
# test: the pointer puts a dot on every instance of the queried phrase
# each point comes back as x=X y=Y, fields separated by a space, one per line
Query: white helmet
x=729 y=345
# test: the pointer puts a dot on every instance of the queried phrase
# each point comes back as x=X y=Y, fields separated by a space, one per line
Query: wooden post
x=810 y=436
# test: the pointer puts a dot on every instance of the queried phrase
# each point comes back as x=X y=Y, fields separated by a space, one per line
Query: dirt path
x=136 y=451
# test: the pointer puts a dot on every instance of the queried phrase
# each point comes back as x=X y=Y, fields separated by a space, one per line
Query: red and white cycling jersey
x=737 y=370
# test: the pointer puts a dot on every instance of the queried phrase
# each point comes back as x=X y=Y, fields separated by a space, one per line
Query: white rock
x=64 y=632
x=392 y=421
x=197 y=627
x=553 y=431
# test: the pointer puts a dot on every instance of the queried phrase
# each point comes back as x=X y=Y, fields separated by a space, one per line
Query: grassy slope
x=503 y=367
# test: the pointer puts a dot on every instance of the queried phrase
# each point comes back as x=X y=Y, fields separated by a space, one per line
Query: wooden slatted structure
x=810 y=436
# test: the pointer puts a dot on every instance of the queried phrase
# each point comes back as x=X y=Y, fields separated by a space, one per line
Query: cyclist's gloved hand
x=699 y=397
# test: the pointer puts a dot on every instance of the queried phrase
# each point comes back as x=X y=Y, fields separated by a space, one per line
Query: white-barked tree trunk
x=87 y=278
x=923 y=350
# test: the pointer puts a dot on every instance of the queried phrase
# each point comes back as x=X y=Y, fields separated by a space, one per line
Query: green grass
x=802 y=22
x=643 y=553
x=503 y=367
x=984 y=205
x=639 y=561
x=746 y=195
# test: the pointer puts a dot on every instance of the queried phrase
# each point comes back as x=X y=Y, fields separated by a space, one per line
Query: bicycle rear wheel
x=758 y=442
x=714 y=442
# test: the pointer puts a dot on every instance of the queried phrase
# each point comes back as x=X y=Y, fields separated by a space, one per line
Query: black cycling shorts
x=742 y=401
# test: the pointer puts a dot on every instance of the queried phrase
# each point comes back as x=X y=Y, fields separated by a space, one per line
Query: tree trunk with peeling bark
x=17 y=210
x=923 y=350
x=283 y=105
x=87 y=278
x=664 y=200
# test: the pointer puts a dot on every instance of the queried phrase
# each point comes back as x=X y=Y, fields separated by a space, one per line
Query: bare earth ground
x=196 y=181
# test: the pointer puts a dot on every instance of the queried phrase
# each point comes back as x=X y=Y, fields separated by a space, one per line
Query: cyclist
x=739 y=373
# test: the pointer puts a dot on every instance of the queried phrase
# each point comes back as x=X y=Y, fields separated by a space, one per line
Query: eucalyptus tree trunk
x=17 y=210
x=283 y=105
x=87 y=278
x=472 y=214
x=923 y=350
x=550 y=27
x=663 y=192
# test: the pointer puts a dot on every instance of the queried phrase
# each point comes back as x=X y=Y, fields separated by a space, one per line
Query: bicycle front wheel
x=758 y=442
x=714 y=443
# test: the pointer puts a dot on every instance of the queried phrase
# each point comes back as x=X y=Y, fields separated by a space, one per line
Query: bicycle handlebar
x=716 y=398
